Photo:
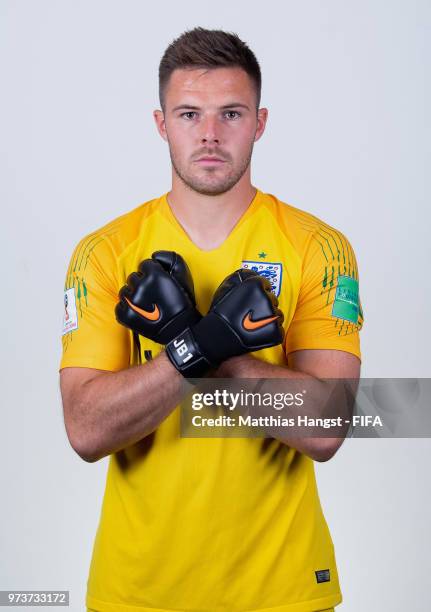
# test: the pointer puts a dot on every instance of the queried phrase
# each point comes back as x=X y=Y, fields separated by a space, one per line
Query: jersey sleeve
x=92 y=337
x=328 y=314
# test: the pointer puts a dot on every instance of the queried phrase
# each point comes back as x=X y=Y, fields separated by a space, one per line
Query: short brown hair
x=201 y=48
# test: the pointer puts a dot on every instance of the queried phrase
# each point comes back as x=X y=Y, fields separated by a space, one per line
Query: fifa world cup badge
x=70 y=315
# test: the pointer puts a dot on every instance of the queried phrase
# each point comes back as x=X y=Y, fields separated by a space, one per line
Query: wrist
x=236 y=367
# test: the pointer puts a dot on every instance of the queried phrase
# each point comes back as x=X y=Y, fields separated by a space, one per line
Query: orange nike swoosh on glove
x=151 y=315
x=250 y=325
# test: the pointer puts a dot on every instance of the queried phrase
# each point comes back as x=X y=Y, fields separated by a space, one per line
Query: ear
x=159 y=119
x=262 y=117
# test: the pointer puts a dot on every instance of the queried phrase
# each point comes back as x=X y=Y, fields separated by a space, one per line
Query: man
x=189 y=523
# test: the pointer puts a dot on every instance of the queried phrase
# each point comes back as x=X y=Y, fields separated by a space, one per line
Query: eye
x=186 y=115
x=232 y=112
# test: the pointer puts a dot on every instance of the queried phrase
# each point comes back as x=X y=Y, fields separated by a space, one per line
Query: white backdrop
x=348 y=139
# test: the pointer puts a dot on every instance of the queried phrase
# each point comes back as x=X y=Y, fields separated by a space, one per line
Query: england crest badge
x=272 y=271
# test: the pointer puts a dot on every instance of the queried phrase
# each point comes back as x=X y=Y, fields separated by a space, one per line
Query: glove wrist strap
x=186 y=356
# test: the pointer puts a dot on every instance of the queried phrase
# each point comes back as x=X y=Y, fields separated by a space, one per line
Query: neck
x=207 y=219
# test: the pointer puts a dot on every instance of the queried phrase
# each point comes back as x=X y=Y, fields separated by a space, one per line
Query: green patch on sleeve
x=346 y=302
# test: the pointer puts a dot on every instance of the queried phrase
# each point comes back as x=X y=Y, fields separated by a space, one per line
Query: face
x=210 y=114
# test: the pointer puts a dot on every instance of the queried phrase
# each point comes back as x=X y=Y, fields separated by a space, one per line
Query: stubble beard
x=211 y=185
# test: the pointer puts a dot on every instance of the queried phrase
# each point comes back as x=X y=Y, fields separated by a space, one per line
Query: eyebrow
x=192 y=107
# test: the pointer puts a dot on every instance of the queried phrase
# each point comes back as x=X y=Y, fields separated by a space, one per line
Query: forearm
x=325 y=398
x=113 y=410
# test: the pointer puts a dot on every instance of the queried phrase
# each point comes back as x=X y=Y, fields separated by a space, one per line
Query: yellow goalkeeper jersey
x=212 y=524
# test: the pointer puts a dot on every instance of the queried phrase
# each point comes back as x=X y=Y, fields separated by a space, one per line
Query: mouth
x=210 y=161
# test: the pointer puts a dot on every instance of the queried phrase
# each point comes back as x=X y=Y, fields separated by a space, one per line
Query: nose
x=210 y=131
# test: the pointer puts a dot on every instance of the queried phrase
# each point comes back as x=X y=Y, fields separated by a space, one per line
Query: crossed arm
x=105 y=412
